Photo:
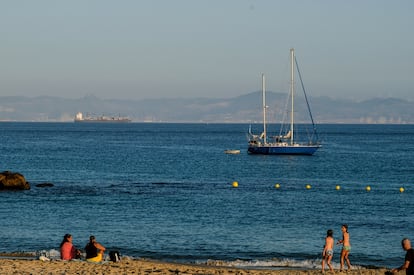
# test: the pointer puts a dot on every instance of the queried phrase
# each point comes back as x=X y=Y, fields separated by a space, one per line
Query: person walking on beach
x=409 y=258
x=94 y=250
x=67 y=249
x=327 y=252
x=346 y=247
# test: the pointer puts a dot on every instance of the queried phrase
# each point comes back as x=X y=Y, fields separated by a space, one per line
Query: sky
x=135 y=50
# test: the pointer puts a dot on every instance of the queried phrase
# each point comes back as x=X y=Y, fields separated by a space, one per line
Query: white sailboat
x=282 y=144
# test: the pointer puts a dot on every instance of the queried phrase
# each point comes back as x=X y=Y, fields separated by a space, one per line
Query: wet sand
x=145 y=266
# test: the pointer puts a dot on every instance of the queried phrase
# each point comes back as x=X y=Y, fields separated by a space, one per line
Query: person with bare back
x=346 y=247
x=327 y=252
x=94 y=250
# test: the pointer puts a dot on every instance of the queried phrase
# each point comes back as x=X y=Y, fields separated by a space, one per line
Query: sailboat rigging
x=283 y=144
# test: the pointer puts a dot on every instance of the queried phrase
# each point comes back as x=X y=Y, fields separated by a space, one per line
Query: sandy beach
x=144 y=266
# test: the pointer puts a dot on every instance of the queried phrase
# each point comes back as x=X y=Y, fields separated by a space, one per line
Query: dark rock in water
x=45 y=184
x=13 y=181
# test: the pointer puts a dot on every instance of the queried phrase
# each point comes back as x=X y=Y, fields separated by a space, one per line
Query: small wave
x=51 y=254
x=17 y=255
x=275 y=263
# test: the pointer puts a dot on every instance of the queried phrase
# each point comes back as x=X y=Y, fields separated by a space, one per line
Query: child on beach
x=327 y=252
x=346 y=247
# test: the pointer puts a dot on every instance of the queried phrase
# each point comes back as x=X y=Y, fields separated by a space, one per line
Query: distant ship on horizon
x=88 y=118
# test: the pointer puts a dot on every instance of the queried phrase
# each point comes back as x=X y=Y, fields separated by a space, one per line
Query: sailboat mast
x=292 y=90
x=264 y=108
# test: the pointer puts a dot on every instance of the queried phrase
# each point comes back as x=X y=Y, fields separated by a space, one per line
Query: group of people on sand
x=94 y=250
x=327 y=252
x=328 y=248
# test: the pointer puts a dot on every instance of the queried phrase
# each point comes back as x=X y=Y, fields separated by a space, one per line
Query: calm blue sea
x=164 y=191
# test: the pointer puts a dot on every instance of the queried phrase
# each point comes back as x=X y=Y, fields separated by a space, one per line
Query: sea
x=165 y=191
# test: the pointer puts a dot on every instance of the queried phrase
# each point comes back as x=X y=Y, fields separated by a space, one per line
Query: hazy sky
x=354 y=49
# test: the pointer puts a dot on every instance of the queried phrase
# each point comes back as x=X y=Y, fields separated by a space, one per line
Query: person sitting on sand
x=67 y=249
x=327 y=252
x=94 y=250
x=409 y=258
x=346 y=247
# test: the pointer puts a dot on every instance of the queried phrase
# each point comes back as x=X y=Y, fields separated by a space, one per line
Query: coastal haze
x=137 y=50
x=242 y=109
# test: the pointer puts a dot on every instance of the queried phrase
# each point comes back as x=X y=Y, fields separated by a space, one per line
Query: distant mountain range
x=242 y=109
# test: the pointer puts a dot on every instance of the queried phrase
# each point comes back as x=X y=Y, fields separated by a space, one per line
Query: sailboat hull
x=283 y=150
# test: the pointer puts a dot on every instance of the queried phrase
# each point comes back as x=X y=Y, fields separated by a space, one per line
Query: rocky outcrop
x=13 y=181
